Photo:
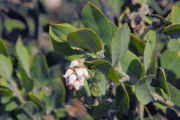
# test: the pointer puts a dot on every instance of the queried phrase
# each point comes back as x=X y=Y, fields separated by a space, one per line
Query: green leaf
x=62 y=47
x=147 y=56
x=12 y=24
x=3 y=49
x=120 y=43
x=172 y=30
x=11 y=106
x=163 y=81
x=102 y=109
x=35 y=100
x=5 y=92
x=107 y=48
x=174 y=94
x=23 y=56
x=27 y=82
x=39 y=70
x=171 y=61
x=131 y=64
x=174 y=44
x=86 y=39
x=93 y=18
x=98 y=87
x=122 y=101
x=144 y=91
x=106 y=68
x=136 y=44
x=151 y=36
x=54 y=94
x=30 y=108
x=6 y=68
x=175 y=14
x=62 y=30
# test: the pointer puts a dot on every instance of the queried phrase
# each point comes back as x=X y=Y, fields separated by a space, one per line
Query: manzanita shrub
x=108 y=71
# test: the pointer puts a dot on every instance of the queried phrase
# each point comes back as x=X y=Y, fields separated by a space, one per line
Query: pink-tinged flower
x=76 y=74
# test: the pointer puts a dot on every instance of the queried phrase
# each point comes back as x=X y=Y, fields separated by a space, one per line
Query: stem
x=141 y=111
x=125 y=76
x=149 y=114
x=16 y=92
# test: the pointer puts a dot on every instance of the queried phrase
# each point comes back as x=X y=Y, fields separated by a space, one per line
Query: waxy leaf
x=175 y=14
x=136 y=44
x=144 y=90
x=93 y=18
x=6 y=68
x=106 y=68
x=99 y=81
x=86 y=39
x=163 y=81
x=39 y=70
x=59 y=42
x=3 y=49
x=151 y=36
x=120 y=43
x=131 y=64
x=122 y=101
x=62 y=30
x=5 y=92
x=172 y=30
x=174 y=44
x=147 y=56
x=26 y=81
x=23 y=56
x=170 y=60
x=174 y=94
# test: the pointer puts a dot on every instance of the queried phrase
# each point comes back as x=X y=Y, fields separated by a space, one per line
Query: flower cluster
x=76 y=74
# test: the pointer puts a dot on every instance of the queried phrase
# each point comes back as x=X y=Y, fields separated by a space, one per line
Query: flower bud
x=79 y=71
x=74 y=63
x=72 y=78
x=77 y=85
x=81 y=80
x=68 y=72
x=76 y=74
x=85 y=72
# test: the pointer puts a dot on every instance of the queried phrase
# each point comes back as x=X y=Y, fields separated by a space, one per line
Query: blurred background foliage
x=37 y=70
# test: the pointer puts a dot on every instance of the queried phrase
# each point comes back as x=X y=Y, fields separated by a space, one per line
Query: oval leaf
x=172 y=30
x=62 y=30
x=3 y=49
x=131 y=64
x=106 y=68
x=136 y=44
x=23 y=56
x=147 y=56
x=175 y=14
x=86 y=39
x=174 y=94
x=6 y=68
x=93 y=18
x=61 y=46
x=144 y=90
x=39 y=70
x=163 y=81
x=120 y=43
x=122 y=101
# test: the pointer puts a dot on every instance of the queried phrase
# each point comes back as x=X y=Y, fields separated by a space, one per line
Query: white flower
x=74 y=63
x=72 y=78
x=77 y=85
x=76 y=74
x=68 y=72
x=79 y=71
x=81 y=80
x=85 y=72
